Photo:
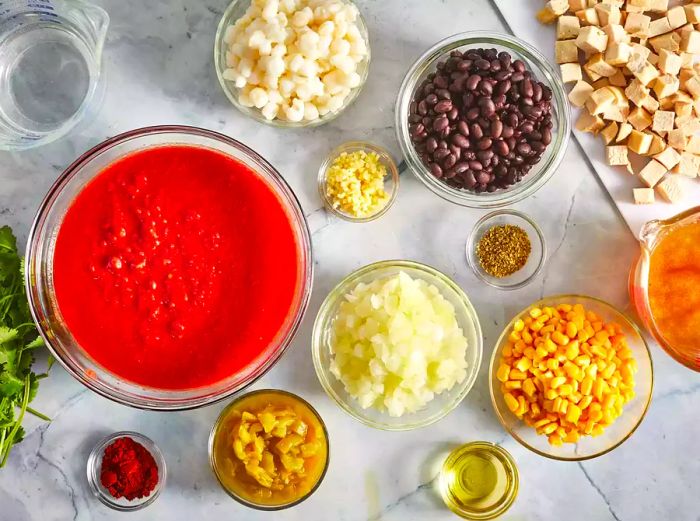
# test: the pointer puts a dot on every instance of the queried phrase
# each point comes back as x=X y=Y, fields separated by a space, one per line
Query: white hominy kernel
x=279 y=51
x=230 y=74
x=308 y=41
x=256 y=39
x=275 y=96
x=354 y=80
x=296 y=63
x=308 y=69
x=270 y=9
x=259 y=97
x=304 y=92
x=229 y=34
x=286 y=86
x=240 y=82
x=310 y=112
x=302 y=18
x=326 y=28
x=343 y=63
x=275 y=66
x=244 y=99
x=340 y=46
x=341 y=29
x=270 y=111
x=296 y=111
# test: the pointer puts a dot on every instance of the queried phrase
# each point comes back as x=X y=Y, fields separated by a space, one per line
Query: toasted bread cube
x=567 y=27
x=637 y=24
x=688 y=165
x=599 y=101
x=639 y=118
x=657 y=27
x=625 y=130
x=693 y=145
x=668 y=157
x=589 y=123
x=643 y=195
x=618 y=53
x=552 y=10
x=652 y=173
x=669 y=62
x=593 y=75
x=663 y=121
x=598 y=65
x=658 y=6
x=616 y=113
x=577 y=5
x=666 y=85
x=570 y=72
x=668 y=41
x=677 y=139
x=600 y=83
x=642 y=50
x=579 y=94
x=566 y=51
x=687 y=60
x=692 y=13
x=616 y=155
x=692 y=85
x=653 y=58
x=670 y=189
x=616 y=34
x=657 y=145
x=647 y=74
x=690 y=42
x=638 y=6
x=609 y=133
x=683 y=109
x=588 y=17
x=608 y=14
x=639 y=142
x=592 y=40
x=650 y=104
x=676 y=17
x=636 y=92
x=618 y=79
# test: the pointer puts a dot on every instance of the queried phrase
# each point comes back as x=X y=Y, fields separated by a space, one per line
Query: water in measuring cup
x=45 y=75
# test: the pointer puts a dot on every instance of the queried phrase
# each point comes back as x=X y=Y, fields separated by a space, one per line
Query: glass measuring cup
x=652 y=234
x=50 y=58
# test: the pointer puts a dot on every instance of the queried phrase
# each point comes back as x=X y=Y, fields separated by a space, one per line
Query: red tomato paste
x=176 y=267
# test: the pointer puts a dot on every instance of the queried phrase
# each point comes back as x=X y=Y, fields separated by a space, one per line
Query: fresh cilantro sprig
x=18 y=340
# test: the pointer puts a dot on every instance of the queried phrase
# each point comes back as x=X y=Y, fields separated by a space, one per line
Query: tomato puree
x=176 y=267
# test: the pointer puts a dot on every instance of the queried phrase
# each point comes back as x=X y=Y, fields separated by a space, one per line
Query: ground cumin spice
x=503 y=250
x=128 y=470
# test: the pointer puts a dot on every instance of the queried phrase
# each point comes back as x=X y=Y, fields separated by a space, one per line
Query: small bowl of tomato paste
x=169 y=267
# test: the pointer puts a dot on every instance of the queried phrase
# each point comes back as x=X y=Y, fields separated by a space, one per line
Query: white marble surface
x=159 y=65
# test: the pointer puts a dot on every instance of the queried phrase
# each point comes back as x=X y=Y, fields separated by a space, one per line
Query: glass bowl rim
x=281 y=187
x=386 y=159
x=217 y=424
x=471 y=246
x=497 y=199
x=254 y=113
x=621 y=315
x=94 y=462
x=333 y=297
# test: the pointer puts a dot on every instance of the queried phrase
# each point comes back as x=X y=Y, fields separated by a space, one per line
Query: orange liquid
x=674 y=287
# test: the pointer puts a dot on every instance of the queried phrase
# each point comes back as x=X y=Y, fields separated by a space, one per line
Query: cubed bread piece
x=685 y=29
x=599 y=101
x=643 y=195
x=668 y=157
x=690 y=42
x=600 y=83
x=684 y=76
x=692 y=13
x=618 y=53
x=670 y=189
x=690 y=125
x=658 y=6
x=693 y=145
x=637 y=6
x=598 y=65
x=668 y=41
x=593 y=75
x=676 y=17
x=570 y=72
x=650 y=104
x=687 y=60
x=616 y=155
x=636 y=92
x=657 y=145
x=588 y=17
x=641 y=50
x=616 y=113
x=688 y=165
x=666 y=85
x=653 y=58
x=664 y=103
x=616 y=33
x=608 y=14
x=639 y=142
x=591 y=40
x=566 y=51
x=567 y=27
x=652 y=173
x=663 y=121
x=579 y=94
x=589 y=123
x=552 y=10
x=625 y=130
x=608 y=133
x=692 y=85
x=639 y=118
x=577 y=5
x=637 y=24
x=677 y=139
x=657 y=27
x=618 y=79
x=669 y=62
x=646 y=74
x=683 y=109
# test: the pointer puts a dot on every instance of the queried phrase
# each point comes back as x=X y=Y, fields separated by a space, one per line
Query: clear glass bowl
x=217 y=470
x=444 y=402
x=94 y=469
x=39 y=269
x=588 y=447
x=541 y=70
x=535 y=262
x=391 y=180
x=236 y=10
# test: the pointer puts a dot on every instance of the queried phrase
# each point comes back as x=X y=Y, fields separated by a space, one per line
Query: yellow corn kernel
x=609 y=371
x=526 y=337
x=582 y=361
x=529 y=352
x=508 y=351
x=535 y=409
x=519 y=325
x=597 y=430
x=523 y=406
x=585 y=402
x=523 y=364
x=516 y=375
x=542 y=423
x=552 y=364
x=573 y=413
x=572 y=350
x=557 y=381
x=514 y=336
x=555 y=440
x=549 y=428
x=571 y=330
x=550 y=394
x=529 y=387
x=572 y=437
x=587 y=386
x=560 y=338
x=511 y=402
x=564 y=406
x=513 y=384
x=540 y=352
x=549 y=345
x=503 y=372
x=557 y=404
x=535 y=312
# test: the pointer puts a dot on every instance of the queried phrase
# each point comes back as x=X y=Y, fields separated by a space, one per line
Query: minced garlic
x=355 y=183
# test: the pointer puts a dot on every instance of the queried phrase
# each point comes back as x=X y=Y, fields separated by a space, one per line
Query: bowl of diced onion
x=397 y=345
x=292 y=63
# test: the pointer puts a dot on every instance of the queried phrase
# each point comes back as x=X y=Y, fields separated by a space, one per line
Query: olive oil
x=479 y=481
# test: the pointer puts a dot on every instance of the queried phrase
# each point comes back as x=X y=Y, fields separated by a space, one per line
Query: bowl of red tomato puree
x=169 y=267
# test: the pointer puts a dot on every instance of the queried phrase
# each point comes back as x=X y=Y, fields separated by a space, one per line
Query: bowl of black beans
x=483 y=119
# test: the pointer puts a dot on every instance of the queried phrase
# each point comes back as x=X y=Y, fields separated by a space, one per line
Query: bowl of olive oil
x=479 y=481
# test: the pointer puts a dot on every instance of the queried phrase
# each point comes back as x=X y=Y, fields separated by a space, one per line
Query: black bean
x=453 y=113
x=476 y=166
x=435 y=169
x=449 y=161
x=475 y=131
x=482 y=64
x=443 y=93
x=523 y=149
x=460 y=141
x=472 y=82
x=485 y=143
x=431 y=99
x=441 y=153
x=496 y=128
x=431 y=145
x=443 y=106
x=463 y=128
x=440 y=124
x=473 y=113
x=526 y=88
x=546 y=136
x=484 y=155
x=461 y=167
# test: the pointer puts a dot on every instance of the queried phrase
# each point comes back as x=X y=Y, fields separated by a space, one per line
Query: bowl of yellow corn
x=358 y=181
x=571 y=377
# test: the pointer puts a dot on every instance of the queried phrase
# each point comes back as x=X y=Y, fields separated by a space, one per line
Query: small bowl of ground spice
x=358 y=181
x=126 y=471
x=506 y=249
